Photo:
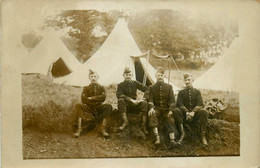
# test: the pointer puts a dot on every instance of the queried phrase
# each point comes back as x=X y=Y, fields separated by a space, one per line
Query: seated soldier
x=127 y=99
x=161 y=104
x=92 y=110
x=190 y=104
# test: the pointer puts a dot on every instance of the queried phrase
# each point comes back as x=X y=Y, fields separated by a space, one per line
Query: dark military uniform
x=93 y=110
x=127 y=90
x=161 y=98
x=190 y=99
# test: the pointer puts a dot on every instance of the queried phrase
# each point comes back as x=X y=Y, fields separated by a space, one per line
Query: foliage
x=164 y=31
x=82 y=22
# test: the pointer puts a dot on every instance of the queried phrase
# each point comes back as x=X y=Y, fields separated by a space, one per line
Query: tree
x=81 y=24
x=161 y=30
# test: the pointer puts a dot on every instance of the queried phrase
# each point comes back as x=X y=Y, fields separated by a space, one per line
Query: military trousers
x=161 y=114
x=129 y=107
x=90 y=116
x=201 y=116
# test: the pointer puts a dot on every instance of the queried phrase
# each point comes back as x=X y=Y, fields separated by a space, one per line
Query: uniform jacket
x=127 y=89
x=189 y=99
x=97 y=94
x=160 y=95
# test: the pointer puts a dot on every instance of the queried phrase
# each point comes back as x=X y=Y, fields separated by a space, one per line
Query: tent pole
x=169 y=75
x=176 y=66
x=145 y=70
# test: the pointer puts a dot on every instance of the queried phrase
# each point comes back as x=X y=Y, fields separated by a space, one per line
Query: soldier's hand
x=151 y=112
x=141 y=100
x=169 y=114
x=192 y=114
x=134 y=101
x=189 y=116
x=90 y=98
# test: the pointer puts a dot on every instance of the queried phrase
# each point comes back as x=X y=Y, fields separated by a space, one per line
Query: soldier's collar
x=128 y=81
x=189 y=87
x=159 y=82
x=93 y=84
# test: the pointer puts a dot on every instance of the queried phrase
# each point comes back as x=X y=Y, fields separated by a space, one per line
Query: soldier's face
x=159 y=76
x=128 y=76
x=93 y=78
x=188 y=81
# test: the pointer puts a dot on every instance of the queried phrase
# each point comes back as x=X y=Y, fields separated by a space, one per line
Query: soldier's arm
x=84 y=95
x=171 y=101
x=100 y=98
x=199 y=102
x=120 y=94
x=180 y=102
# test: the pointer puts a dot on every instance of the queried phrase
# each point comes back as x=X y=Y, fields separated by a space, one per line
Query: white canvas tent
x=111 y=59
x=222 y=76
x=48 y=51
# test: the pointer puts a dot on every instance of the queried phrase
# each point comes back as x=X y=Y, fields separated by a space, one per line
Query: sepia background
x=245 y=25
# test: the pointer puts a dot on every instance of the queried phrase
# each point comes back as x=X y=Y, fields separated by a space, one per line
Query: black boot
x=77 y=133
x=103 y=128
x=144 y=120
x=157 y=137
x=182 y=133
x=125 y=122
x=203 y=137
x=172 y=139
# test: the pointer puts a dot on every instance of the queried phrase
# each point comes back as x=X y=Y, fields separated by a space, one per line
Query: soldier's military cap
x=127 y=70
x=91 y=72
x=185 y=76
x=160 y=70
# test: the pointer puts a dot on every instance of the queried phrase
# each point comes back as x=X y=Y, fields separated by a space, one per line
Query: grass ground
x=48 y=119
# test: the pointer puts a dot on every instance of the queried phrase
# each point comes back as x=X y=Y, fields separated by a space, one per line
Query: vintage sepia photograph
x=134 y=84
x=129 y=83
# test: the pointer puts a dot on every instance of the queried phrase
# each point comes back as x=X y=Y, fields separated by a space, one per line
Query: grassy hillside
x=48 y=119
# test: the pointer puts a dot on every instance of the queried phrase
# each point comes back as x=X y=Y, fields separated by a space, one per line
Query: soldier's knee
x=78 y=107
x=170 y=120
x=108 y=106
x=121 y=101
x=153 y=116
x=176 y=112
x=153 y=121
x=143 y=102
x=203 y=112
x=144 y=106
